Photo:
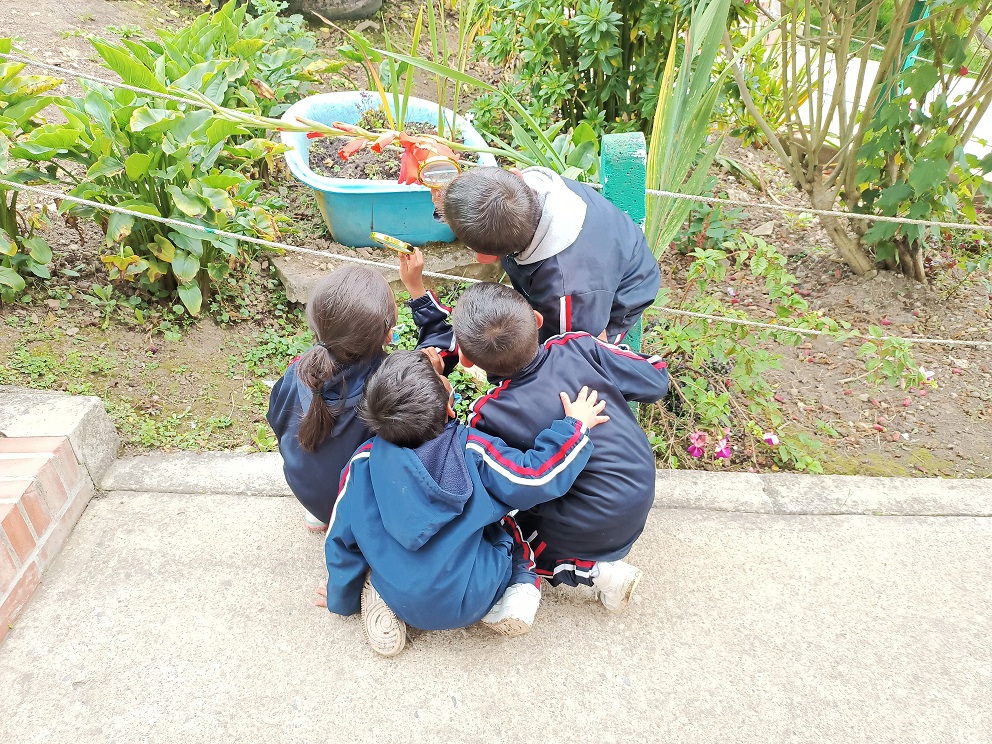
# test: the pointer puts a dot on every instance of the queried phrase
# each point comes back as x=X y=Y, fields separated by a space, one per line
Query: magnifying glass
x=438 y=171
x=400 y=246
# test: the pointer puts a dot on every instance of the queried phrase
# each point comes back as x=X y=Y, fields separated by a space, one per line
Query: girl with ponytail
x=313 y=407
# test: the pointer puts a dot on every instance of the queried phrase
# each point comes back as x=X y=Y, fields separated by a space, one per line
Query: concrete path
x=172 y=617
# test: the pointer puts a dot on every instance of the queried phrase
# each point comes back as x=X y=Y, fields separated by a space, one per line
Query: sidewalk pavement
x=189 y=617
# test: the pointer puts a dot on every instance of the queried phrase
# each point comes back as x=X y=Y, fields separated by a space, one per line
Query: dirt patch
x=869 y=429
x=201 y=389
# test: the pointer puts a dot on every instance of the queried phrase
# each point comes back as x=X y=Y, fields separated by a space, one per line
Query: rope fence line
x=279 y=246
x=821 y=212
x=286 y=247
x=809 y=332
x=219 y=233
x=652 y=192
x=102 y=81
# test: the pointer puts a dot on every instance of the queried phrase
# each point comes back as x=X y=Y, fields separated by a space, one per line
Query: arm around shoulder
x=522 y=480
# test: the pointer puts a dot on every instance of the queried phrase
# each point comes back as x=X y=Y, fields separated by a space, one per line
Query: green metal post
x=623 y=170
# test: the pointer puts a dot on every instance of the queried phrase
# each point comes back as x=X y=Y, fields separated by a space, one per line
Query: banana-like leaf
x=129 y=67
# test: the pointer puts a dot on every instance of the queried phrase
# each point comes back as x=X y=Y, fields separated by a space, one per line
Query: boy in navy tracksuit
x=579 y=538
x=313 y=475
x=580 y=262
x=420 y=507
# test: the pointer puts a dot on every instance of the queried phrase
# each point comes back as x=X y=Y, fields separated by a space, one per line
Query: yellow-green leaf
x=163 y=248
x=187 y=202
x=191 y=297
x=118 y=227
x=136 y=165
x=7 y=246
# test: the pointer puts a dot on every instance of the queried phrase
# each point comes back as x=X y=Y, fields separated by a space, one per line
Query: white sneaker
x=312 y=523
x=616 y=583
x=385 y=632
x=513 y=615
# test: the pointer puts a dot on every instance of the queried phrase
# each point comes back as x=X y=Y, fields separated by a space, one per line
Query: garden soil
x=204 y=387
x=885 y=431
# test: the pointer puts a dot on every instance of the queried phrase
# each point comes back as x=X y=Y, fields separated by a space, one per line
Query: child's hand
x=321 y=596
x=412 y=273
x=435 y=356
x=585 y=408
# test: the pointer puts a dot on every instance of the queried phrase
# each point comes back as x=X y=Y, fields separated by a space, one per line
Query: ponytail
x=350 y=311
x=314 y=369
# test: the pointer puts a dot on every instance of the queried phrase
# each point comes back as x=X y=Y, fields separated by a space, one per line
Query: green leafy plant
x=598 y=61
x=572 y=153
x=708 y=226
x=834 y=151
x=392 y=80
x=152 y=158
x=125 y=31
x=22 y=248
x=260 y=63
x=912 y=164
x=764 y=83
x=679 y=155
x=103 y=298
x=724 y=408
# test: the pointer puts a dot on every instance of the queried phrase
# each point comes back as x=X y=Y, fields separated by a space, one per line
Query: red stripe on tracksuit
x=491 y=395
x=566 y=337
x=344 y=474
x=510 y=525
x=530 y=472
x=437 y=302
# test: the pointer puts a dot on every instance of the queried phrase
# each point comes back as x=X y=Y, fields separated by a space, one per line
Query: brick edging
x=43 y=492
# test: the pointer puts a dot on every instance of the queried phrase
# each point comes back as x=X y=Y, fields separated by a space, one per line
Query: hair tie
x=323 y=345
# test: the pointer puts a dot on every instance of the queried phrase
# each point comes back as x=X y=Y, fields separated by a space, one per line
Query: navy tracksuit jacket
x=604 y=511
x=313 y=476
x=425 y=521
x=604 y=280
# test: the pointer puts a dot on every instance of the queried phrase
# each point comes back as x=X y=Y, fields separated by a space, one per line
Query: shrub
x=893 y=152
x=599 y=61
x=22 y=249
x=158 y=160
x=724 y=407
x=262 y=63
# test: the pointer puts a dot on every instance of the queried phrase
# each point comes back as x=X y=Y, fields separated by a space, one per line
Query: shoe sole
x=510 y=627
x=315 y=529
x=628 y=592
x=385 y=632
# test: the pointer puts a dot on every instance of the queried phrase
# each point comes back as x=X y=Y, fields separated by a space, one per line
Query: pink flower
x=927 y=373
x=723 y=448
x=731 y=291
x=698 y=442
x=771 y=438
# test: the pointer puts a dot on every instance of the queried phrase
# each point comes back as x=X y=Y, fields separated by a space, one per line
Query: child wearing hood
x=312 y=408
x=420 y=532
x=581 y=263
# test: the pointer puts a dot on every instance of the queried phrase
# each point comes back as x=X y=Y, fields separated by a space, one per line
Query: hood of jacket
x=562 y=214
x=347 y=382
x=413 y=505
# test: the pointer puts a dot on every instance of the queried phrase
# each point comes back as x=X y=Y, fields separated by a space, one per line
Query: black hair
x=495 y=328
x=492 y=211
x=405 y=402
x=350 y=312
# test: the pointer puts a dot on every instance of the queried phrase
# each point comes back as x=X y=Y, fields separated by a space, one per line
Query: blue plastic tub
x=354 y=207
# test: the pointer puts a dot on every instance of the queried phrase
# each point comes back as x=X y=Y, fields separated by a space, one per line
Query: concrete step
x=177 y=617
x=768 y=493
